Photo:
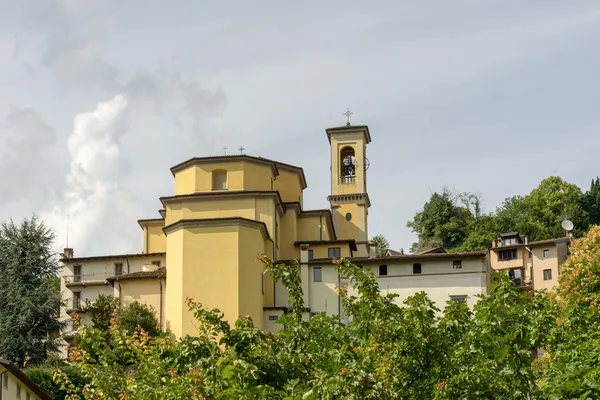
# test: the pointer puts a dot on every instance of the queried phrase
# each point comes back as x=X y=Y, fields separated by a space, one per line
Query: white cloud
x=94 y=199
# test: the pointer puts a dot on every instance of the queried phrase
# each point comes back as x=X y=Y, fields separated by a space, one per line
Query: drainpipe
x=12 y=367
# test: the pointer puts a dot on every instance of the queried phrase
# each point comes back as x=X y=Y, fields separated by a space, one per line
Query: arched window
x=219 y=180
x=348 y=165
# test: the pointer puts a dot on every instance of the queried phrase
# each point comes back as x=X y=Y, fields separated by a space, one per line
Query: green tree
x=137 y=315
x=102 y=310
x=29 y=301
x=441 y=221
x=590 y=202
x=381 y=245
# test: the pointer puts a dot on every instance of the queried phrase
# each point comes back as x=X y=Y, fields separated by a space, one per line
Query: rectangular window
x=546 y=253
x=76 y=300
x=506 y=255
x=118 y=269
x=77 y=273
x=219 y=180
x=333 y=252
x=547 y=274
x=157 y=263
x=18 y=390
x=416 y=268
x=311 y=255
x=273 y=317
x=317 y=274
x=462 y=297
x=457 y=264
x=382 y=270
x=6 y=381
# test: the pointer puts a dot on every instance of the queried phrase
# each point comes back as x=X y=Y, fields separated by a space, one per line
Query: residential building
x=15 y=384
x=227 y=209
x=531 y=265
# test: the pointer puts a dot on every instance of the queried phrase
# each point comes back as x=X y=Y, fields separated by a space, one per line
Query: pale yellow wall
x=322 y=250
x=10 y=392
x=520 y=261
x=356 y=228
x=185 y=181
x=209 y=274
x=540 y=264
x=308 y=227
x=174 y=295
x=241 y=175
x=155 y=240
x=265 y=211
x=257 y=176
x=289 y=186
x=288 y=225
x=269 y=296
x=150 y=292
x=250 y=275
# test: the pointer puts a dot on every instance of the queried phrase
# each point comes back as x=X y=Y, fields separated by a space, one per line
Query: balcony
x=84 y=280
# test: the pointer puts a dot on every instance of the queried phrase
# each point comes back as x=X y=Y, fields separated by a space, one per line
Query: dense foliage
x=106 y=307
x=455 y=221
x=386 y=351
x=381 y=245
x=29 y=299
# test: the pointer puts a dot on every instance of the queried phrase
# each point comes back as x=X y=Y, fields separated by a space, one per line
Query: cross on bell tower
x=348 y=113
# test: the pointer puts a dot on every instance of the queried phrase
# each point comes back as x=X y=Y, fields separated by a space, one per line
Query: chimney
x=493 y=242
x=68 y=252
x=402 y=251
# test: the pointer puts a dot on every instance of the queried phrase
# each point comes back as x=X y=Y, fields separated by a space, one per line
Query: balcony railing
x=72 y=279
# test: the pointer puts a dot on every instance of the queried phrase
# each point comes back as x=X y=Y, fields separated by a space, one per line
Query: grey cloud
x=26 y=172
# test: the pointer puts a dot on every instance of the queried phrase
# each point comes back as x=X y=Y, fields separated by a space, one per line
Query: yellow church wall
x=289 y=186
x=269 y=296
x=288 y=224
x=312 y=227
x=258 y=176
x=210 y=270
x=218 y=208
x=174 y=294
x=353 y=229
x=155 y=240
x=185 y=181
x=241 y=175
x=250 y=275
x=265 y=211
x=150 y=292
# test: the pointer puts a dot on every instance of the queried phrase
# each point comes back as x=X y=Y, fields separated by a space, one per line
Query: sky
x=98 y=99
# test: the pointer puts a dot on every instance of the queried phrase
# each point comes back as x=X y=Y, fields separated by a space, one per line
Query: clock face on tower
x=367 y=163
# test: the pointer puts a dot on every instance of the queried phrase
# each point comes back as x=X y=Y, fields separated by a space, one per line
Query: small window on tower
x=219 y=180
x=348 y=165
x=348 y=216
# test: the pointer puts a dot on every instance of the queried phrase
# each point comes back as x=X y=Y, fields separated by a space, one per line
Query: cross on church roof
x=348 y=113
x=241 y=149
x=224 y=150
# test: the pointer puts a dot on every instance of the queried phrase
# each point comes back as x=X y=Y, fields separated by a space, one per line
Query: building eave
x=112 y=257
x=22 y=376
x=226 y=221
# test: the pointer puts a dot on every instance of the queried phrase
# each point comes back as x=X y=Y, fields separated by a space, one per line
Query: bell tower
x=349 y=198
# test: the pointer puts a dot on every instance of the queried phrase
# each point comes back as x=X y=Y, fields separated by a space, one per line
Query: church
x=226 y=210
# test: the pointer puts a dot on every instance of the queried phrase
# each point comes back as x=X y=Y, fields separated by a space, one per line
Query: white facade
x=85 y=278
x=443 y=277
